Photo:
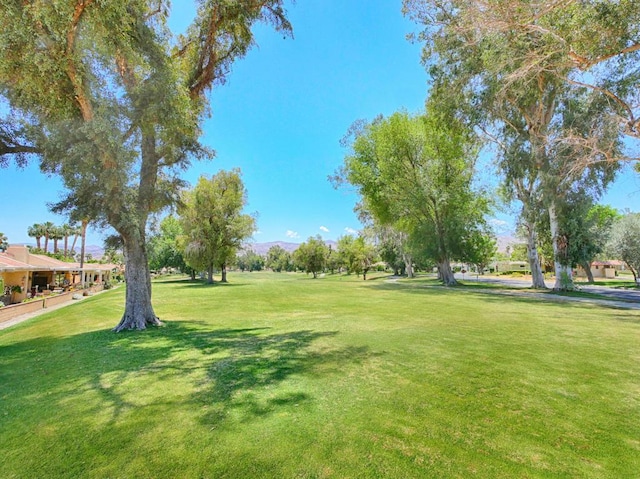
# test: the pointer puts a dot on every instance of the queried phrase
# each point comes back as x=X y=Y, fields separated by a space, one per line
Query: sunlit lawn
x=283 y=376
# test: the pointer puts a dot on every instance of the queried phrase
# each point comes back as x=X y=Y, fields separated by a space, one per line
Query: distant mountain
x=263 y=248
x=96 y=252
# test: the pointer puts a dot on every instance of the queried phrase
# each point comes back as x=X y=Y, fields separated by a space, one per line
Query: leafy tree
x=311 y=256
x=415 y=174
x=624 y=242
x=481 y=250
x=4 y=242
x=249 y=260
x=108 y=100
x=164 y=248
x=213 y=223
x=356 y=254
x=393 y=249
x=278 y=259
x=519 y=252
x=553 y=133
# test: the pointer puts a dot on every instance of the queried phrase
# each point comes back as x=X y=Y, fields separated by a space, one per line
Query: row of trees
x=550 y=88
x=553 y=86
x=49 y=231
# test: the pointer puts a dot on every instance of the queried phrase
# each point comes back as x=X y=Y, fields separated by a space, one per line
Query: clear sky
x=281 y=115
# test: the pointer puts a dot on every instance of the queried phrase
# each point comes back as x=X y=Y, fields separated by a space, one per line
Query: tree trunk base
x=132 y=323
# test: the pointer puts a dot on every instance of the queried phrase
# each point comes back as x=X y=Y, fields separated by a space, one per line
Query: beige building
x=603 y=269
x=24 y=275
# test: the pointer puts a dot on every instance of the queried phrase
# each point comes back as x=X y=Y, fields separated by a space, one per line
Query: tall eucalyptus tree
x=108 y=99
x=516 y=80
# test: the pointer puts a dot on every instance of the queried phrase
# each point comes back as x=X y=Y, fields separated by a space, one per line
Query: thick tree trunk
x=223 y=270
x=73 y=244
x=408 y=265
x=446 y=274
x=138 y=311
x=193 y=275
x=210 y=274
x=537 y=277
x=586 y=266
x=564 y=275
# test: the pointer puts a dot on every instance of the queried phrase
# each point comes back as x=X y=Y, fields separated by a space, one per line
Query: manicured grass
x=283 y=376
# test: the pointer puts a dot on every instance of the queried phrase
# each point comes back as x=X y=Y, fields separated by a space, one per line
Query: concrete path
x=615 y=298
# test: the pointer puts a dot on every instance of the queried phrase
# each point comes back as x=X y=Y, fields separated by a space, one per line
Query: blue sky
x=280 y=117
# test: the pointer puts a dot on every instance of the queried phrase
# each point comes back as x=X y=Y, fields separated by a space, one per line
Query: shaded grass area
x=280 y=375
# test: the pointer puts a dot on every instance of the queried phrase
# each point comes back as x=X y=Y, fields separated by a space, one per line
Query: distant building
x=603 y=269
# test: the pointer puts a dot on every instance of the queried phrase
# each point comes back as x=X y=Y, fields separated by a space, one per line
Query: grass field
x=283 y=376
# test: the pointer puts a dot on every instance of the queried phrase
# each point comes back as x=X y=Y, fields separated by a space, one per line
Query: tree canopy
x=521 y=72
x=311 y=256
x=108 y=99
x=624 y=242
x=212 y=220
x=416 y=173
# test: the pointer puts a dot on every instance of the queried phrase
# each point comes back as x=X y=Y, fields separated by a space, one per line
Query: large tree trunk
x=446 y=274
x=73 y=243
x=138 y=311
x=537 y=277
x=586 y=266
x=210 y=274
x=223 y=270
x=564 y=275
x=408 y=265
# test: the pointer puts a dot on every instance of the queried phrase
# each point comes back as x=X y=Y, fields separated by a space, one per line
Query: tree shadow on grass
x=218 y=372
x=198 y=283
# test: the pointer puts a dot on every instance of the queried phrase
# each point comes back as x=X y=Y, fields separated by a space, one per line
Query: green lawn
x=283 y=376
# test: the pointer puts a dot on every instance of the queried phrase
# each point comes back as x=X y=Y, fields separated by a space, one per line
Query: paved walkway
x=24 y=317
x=616 y=298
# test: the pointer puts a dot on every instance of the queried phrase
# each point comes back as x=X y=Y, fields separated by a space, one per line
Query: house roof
x=613 y=262
x=43 y=262
x=8 y=264
x=40 y=262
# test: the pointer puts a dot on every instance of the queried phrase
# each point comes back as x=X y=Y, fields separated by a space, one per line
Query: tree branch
x=72 y=72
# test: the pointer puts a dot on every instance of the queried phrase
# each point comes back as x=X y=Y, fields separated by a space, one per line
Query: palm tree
x=66 y=230
x=48 y=228
x=76 y=231
x=36 y=231
x=4 y=242
x=56 y=235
